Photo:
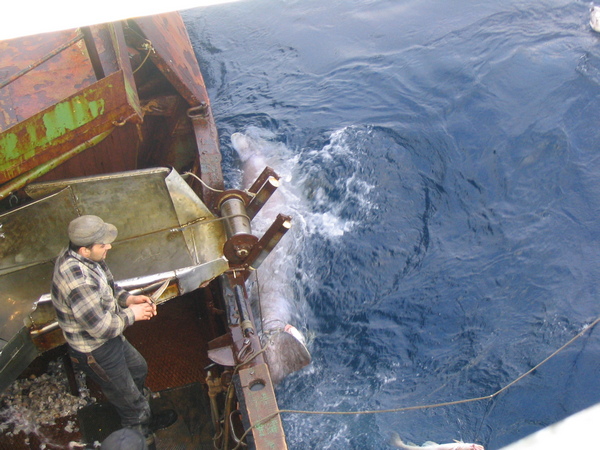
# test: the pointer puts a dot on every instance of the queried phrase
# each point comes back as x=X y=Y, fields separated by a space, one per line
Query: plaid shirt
x=89 y=306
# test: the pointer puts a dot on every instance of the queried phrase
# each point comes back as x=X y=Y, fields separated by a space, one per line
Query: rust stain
x=168 y=36
x=261 y=404
x=36 y=89
x=63 y=126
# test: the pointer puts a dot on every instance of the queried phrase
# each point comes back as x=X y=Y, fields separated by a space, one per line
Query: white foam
x=301 y=174
x=318 y=203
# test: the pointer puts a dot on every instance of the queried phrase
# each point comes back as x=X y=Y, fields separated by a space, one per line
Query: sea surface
x=441 y=162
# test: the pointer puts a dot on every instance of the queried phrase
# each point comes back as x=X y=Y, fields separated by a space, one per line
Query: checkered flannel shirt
x=90 y=307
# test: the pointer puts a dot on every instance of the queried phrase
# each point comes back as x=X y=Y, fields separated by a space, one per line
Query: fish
x=595 y=18
x=456 y=445
x=285 y=346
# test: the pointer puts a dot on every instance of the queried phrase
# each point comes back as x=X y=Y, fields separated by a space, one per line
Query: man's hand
x=142 y=307
x=143 y=311
x=135 y=299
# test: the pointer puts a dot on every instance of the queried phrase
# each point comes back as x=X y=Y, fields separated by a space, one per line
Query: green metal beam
x=42 y=169
x=66 y=125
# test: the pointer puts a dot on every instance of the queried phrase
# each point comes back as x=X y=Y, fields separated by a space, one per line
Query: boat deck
x=174 y=344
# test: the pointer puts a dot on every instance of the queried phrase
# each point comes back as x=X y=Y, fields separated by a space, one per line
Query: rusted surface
x=90 y=44
x=262 y=179
x=174 y=342
x=164 y=105
x=89 y=88
x=122 y=55
x=46 y=84
x=169 y=135
x=261 y=197
x=260 y=403
x=63 y=126
x=222 y=355
x=61 y=87
x=209 y=157
x=44 y=115
x=44 y=317
x=96 y=52
x=106 y=52
x=182 y=327
x=174 y=56
x=116 y=153
x=268 y=241
x=246 y=349
x=41 y=169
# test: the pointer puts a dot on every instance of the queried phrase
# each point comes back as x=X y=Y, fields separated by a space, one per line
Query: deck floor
x=174 y=344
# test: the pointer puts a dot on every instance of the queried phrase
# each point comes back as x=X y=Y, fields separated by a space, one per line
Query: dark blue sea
x=441 y=161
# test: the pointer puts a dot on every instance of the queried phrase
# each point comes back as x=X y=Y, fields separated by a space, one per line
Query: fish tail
x=396 y=441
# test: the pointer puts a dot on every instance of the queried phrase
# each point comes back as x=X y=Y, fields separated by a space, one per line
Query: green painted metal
x=42 y=169
x=58 y=120
x=64 y=126
x=68 y=116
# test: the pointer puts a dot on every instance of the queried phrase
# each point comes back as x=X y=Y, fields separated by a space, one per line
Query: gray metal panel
x=15 y=357
x=206 y=237
x=36 y=232
x=136 y=202
x=153 y=253
x=18 y=294
x=32 y=238
x=137 y=205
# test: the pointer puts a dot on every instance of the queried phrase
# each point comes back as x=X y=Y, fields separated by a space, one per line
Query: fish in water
x=396 y=441
x=595 y=18
x=286 y=350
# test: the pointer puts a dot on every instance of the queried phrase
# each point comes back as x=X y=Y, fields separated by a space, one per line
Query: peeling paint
x=268 y=428
x=8 y=145
x=69 y=116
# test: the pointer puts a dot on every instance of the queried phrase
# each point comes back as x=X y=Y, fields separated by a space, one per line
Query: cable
x=434 y=405
x=202 y=181
x=148 y=46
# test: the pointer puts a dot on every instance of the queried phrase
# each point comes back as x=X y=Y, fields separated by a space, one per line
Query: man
x=93 y=312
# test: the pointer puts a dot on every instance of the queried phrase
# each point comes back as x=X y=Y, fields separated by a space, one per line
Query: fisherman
x=93 y=312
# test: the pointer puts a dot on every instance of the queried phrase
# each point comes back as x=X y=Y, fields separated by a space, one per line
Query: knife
x=163 y=287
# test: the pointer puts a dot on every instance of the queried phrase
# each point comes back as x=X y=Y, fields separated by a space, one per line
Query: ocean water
x=441 y=162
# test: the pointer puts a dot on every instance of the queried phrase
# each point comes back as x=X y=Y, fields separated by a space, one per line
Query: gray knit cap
x=89 y=230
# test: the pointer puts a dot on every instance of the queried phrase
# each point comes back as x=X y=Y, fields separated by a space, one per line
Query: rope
x=148 y=46
x=429 y=406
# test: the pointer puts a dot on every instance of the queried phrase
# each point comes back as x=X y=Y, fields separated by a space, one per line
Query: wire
x=199 y=221
x=202 y=181
x=150 y=48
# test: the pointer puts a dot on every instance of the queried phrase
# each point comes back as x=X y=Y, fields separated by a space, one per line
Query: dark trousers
x=121 y=372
